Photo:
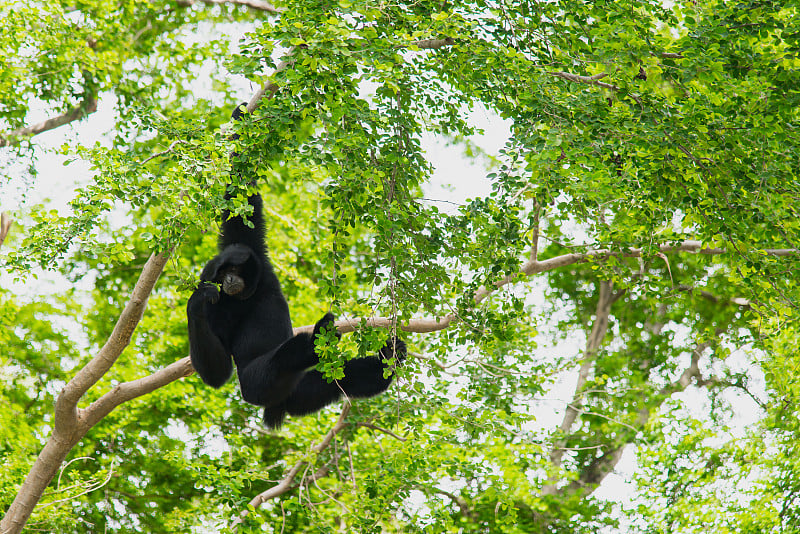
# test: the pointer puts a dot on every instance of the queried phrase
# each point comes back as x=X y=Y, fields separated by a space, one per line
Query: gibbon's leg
x=363 y=377
x=268 y=379
x=271 y=377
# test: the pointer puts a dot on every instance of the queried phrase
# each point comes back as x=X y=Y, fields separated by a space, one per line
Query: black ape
x=249 y=320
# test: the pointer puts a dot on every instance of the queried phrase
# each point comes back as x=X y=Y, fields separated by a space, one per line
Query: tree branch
x=286 y=484
x=271 y=87
x=68 y=428
x=592 y=80
x=86 y=107
x=530 y=268
x=594 y=473
x=458 y=500
x=127 y=391
x=259 y=5
x=432 y=44
x=5 y=225
x=381 y=429
x=593 y=342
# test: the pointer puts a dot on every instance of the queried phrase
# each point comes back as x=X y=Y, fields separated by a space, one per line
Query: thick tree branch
x=66 y=404
x=287 y=483
x=432 y=44
x=87 y=107
x=69 y=428
x=124 y=392
x=271 y=87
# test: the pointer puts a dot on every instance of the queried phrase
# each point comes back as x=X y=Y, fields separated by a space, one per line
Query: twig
x=385 y=431
x=164 y=152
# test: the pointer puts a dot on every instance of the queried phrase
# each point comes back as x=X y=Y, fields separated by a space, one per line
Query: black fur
x=253 y=326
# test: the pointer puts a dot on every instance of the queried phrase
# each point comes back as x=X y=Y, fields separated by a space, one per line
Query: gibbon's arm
x=209 y=357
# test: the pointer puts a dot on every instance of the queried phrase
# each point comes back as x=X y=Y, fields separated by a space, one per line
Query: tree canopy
x=622 y=299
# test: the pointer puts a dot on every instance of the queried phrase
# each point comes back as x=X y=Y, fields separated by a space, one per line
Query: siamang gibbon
x=239 y=311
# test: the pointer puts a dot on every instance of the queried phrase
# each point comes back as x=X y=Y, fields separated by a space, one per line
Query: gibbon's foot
x=394 y=347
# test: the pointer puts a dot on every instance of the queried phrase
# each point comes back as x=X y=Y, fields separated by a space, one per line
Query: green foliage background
x=632 y=125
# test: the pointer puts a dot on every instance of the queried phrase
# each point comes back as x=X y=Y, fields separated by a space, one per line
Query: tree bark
x=71 y=424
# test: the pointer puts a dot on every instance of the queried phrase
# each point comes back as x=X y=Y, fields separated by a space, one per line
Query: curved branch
x=86 y=107
x=593 y=474
x=593 y=343
x=66 y=404
x=271 y=87
x=287 y=483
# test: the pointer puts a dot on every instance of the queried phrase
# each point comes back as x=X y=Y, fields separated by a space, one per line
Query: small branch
x=5 y=225
x=737 y=301
x=457 y=499
x=164 y=152
x=380 y=429
x=79 y=112
x=430 y=44
x=593 y=80
x=287 y=483
x=534 y=256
